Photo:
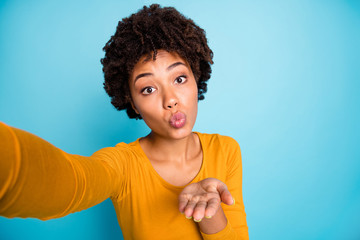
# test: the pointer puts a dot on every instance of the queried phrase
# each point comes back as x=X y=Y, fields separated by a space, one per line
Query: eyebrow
x=172 y=66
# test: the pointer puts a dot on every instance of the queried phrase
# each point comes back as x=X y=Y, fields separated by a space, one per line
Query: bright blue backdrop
x=285 y=85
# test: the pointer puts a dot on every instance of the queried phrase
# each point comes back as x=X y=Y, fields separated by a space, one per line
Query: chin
x=181 y=133
x=174 y=133
x=170 y=132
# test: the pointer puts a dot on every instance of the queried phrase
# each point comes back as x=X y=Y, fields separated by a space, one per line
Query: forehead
x=163 y=60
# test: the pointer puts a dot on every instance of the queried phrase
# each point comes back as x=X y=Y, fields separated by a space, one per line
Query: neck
x=165 y=149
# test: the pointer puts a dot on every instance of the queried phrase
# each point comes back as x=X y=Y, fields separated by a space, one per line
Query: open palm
x=202 y=199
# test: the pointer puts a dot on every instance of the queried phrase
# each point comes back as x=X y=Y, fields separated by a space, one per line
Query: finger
x=225 y=195
x=182 y=205
x=189 y=208
x=199 y=211
x=212 y=207
x=183 y=201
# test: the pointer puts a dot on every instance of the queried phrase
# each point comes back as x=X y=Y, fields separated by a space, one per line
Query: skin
x=160 y=89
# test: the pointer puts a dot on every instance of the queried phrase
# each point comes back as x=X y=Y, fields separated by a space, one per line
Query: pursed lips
x=178 y=120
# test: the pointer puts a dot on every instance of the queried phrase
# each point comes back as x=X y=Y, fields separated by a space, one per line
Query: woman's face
x=164 y=92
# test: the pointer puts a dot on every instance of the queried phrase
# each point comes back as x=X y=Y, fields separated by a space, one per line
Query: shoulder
x=225 y=148
x=219 y=140
x=120 y=153
x=120 y=148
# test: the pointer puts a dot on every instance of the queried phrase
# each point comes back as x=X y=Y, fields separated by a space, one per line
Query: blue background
x=285 y=85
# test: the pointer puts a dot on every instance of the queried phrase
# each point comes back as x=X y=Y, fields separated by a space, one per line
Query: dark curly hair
x=143 y=33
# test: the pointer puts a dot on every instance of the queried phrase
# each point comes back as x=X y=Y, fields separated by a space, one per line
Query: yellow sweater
x=41 y=181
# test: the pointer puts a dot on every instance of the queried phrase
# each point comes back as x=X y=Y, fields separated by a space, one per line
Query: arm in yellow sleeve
x=236 y=228
x=41 y=181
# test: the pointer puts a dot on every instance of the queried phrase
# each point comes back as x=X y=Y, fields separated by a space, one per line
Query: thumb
x=225 y=195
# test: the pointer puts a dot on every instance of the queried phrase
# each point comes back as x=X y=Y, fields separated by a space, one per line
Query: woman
x=174 y=183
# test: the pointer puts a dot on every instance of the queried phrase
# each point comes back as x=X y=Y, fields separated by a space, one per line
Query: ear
x=133 y=107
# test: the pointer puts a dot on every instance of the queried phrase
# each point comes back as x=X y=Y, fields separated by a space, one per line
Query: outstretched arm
x=39 y=180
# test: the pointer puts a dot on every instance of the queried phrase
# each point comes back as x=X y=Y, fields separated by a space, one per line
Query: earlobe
x=133 y=107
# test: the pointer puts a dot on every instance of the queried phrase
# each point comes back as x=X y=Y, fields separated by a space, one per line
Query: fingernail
x=188 y=217
x=233 y=202
x=208 y=216
x=197 y=220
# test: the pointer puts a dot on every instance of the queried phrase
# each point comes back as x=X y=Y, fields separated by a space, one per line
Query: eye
x=148 y=90
x=180 y=79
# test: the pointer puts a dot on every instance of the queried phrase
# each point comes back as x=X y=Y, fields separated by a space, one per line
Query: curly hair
x=142 y=34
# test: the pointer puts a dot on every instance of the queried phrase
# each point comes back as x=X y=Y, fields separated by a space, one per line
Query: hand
x=202 y=199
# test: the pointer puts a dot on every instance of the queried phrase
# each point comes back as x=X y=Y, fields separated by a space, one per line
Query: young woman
x=175 y=183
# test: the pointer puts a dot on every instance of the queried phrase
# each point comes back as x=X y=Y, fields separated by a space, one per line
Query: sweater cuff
x=226 y=233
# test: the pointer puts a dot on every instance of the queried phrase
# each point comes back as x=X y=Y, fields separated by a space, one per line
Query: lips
x=178 y=120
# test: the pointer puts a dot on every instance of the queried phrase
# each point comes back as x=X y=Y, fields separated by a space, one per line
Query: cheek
x=147 y=108
x=191 y=99
x=194 y=93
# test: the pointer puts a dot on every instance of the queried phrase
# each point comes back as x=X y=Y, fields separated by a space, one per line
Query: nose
x=171 y=105
x=170 y=100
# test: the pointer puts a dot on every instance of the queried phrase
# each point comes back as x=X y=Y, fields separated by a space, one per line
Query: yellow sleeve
x=41 y=181
x=236 y=228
